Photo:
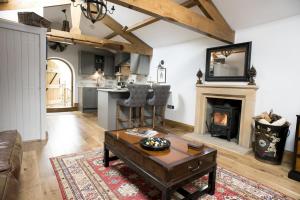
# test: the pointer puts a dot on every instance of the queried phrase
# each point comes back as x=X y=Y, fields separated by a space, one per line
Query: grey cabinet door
x=121 y=58
x=87 y=63
x=134 y=62
x=90 y=99
x=139 y=64
x=144 y=65
x=109 y=68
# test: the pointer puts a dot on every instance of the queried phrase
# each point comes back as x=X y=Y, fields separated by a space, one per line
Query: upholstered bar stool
x=159 y=100
x=136 y=100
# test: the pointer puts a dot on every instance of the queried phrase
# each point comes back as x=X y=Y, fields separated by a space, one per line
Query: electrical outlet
x=170 y=106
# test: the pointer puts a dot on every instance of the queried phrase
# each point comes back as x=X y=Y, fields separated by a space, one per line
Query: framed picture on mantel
x=161 y=75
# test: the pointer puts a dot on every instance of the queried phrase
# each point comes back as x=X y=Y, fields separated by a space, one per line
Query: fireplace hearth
x=225 y=121
x=244 y=94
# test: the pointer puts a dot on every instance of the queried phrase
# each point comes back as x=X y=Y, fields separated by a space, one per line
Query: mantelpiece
x=244 y=93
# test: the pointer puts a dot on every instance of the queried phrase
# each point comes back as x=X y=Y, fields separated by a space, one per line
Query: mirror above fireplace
x=228 y=63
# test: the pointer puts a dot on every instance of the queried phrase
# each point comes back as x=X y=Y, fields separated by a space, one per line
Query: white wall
x=182 y=62
x=275 y=54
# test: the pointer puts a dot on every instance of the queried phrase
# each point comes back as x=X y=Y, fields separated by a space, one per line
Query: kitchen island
x=107 y=106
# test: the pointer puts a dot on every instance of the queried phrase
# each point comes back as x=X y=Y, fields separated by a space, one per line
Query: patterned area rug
x=83 y=177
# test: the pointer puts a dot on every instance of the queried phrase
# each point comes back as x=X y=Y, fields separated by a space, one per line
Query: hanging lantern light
x=94 y=10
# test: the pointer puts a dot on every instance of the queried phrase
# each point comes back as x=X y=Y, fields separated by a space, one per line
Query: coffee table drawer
x=192 y=167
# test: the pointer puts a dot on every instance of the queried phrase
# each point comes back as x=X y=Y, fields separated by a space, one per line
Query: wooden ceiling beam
x=67 y=37
x=143 y=23
x=112 y=35
x=125 y=28
x=211 y=11
x=173 y=12
x=120 y=30
x=22 y=4
x=19 y=4
x=150 y=20
x=136 y=26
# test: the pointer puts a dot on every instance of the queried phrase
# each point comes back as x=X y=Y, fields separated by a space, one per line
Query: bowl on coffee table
x=155 y=144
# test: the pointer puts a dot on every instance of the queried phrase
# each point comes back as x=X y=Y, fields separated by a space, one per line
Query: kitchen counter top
x=112 y=90
x=87 y=86
x=116 y=90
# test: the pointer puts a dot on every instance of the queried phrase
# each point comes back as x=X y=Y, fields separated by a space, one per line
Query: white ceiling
x=127 y=17
x=163 y=33
x=98 y=29
x=56 y=16
x=239 y=14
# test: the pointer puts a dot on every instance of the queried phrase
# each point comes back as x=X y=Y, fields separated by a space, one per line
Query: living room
x=171 y=54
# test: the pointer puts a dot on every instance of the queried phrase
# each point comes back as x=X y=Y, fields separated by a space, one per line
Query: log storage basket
x=270 y=142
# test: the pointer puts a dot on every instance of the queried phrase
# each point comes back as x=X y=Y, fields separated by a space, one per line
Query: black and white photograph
x=161 y=75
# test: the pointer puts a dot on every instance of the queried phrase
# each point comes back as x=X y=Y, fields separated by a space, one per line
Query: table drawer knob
x=191 y=168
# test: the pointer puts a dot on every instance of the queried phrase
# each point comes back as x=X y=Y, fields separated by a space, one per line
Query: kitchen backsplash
x=91 y=81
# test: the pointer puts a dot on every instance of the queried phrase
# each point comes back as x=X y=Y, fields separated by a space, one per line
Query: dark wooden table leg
x=106 y=156
x=212 y=181
x=165 y=195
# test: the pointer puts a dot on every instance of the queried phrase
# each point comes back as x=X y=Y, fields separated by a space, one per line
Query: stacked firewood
x=271 y=118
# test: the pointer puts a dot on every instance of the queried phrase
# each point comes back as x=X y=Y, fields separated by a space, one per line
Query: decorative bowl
x=155 y=144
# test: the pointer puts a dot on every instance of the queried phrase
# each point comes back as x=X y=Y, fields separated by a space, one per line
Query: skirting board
x=287 y=155
x=70 y=109
x=218 y=143
x=174 y=124
x=50 y=110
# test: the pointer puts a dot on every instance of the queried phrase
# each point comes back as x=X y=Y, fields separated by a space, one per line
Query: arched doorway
x=59 y=85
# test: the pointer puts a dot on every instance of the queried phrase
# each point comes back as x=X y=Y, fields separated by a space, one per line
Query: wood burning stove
x=225 y=121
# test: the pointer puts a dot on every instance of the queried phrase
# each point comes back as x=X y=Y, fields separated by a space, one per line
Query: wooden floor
x=76 y=132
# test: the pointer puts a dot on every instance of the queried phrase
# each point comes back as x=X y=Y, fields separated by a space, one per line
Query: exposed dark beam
x=150 y=20
x=62 y=36
x=175 y=13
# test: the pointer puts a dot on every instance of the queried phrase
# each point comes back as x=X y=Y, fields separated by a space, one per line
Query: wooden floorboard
x=73 y=132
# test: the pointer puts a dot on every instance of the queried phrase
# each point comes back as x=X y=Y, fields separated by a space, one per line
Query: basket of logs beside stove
x=271 y=131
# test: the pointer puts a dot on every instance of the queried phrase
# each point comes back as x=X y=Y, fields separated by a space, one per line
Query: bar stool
x=136 y=100
x=159 y=99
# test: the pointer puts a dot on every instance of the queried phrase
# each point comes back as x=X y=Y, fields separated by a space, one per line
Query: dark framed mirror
x=228 y=63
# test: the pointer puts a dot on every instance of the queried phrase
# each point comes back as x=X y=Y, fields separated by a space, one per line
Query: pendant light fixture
x=94 y=10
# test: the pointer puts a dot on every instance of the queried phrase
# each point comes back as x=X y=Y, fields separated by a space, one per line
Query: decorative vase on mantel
x=199 y=75
x=252 y=74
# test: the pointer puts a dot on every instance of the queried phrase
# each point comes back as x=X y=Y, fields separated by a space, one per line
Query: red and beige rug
x=83 y=177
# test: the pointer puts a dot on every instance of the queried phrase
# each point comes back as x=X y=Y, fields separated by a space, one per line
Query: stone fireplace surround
x=246 y=94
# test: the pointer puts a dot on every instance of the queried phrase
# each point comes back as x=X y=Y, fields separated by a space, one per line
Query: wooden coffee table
x=168 y=170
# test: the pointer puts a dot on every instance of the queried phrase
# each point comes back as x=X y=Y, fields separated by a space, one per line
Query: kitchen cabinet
x=87 y=63
x=121 y=58
x=90 y=62
x=88 y=99
x=99 y=62
x=109 y=67
x=139 y=64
